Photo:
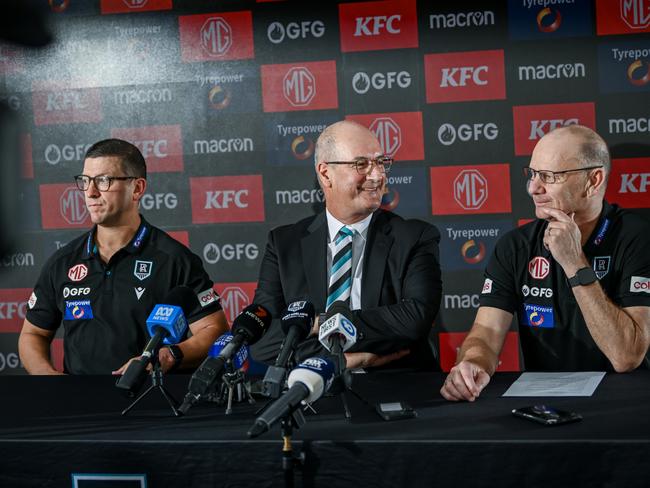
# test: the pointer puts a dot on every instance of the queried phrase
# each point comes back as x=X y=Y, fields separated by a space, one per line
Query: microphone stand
x=296 y=419
x=233 y=387
x=156 y=383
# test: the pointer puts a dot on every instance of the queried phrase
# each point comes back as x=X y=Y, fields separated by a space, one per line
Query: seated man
x=577 y=277
x=103 y=285
x=385 y=267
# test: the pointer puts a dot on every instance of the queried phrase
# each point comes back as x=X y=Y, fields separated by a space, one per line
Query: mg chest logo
x=470 y=189
x=635 y=13
x=78 y=272
x=299 y=86
x=388 y=133
x=216 y=36
x=539 y=267
x=72 y=206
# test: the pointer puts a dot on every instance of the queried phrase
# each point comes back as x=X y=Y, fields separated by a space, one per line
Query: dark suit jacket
x=401 y=285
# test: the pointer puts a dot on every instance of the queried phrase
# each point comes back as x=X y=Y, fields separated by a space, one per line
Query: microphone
x=307 y=383
x=337 y=334
x=166 y=324
x=297 y=320
x=246 y=329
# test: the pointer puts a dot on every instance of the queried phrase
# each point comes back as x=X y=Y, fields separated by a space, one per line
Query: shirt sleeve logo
x=487 y=286
x=32 y=300
x=78 y=272
x=77 y=310
x=207 y=297
x=639 y=284
x=142 y=269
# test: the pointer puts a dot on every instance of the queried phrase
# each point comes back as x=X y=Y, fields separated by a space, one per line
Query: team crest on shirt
x=538 y=316
x=601 y=266
x=142 y=269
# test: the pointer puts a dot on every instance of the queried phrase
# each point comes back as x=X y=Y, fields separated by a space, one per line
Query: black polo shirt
x=104 y=307
x=523 y=278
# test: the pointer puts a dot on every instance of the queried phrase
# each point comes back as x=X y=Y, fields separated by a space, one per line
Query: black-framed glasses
x=102 y=182
x=364 y=165
x=551 y=177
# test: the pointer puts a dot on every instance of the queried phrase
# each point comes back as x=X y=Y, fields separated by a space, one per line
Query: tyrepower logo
x=405 y=187
x=161 y=146
x=624 y=66
x=462 y=76
x=13 y=306
x=369 y=26
x=466 y=245
x=305 y=86
x=128 y=6
x=227 y=199
x=216 y=37
x=532 y=122
x=235 y=297
x=450 y=343
x=63 y=207
x=622 y=17
x=470 y=189
x=57 y=105
x=629 y=183
x=400 y=133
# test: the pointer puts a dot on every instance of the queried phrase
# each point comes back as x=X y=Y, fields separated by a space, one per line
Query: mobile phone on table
x=546 y=415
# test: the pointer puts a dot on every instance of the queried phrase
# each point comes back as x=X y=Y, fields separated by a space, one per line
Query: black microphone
x=247 y=328
x=307 y=382
x=297 y=320
x=167 y=323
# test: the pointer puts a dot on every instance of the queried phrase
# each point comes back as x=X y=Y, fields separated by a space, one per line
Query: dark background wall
x=226 y=100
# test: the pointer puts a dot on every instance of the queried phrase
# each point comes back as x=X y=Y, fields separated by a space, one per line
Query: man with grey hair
x=578 y=277
x=384 y=267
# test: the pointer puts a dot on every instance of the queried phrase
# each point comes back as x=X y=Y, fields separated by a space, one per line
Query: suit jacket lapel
x=314 y=258
x=374 y=263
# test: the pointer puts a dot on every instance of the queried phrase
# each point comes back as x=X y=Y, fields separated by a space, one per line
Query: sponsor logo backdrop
x=227 y=100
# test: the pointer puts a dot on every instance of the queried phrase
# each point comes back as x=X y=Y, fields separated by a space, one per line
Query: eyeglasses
x=550 y=177
x=364 y=165
x=102 y=182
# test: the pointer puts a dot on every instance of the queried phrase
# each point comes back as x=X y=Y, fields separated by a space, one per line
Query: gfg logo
x=389 y=134
x=73 y=206
x=299 y=86
x=277 y=32
x=212 y=253
x=9 y=361
x=448 y=134
x=216 y=36
x=470 y=189
x=75 y=292
x=535 y=291
x=157 y=201
x=54 y=154
x=362 y=82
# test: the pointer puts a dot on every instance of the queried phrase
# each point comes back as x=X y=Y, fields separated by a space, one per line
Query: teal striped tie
x=341 y=277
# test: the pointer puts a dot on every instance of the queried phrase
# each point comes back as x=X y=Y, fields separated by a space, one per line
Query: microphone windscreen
x=298 y=314
x=252 y=322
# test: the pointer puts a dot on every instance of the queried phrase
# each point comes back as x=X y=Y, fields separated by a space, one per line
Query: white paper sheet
x=582 y=383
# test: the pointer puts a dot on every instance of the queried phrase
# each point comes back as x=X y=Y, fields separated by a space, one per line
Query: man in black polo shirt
x=577 y=278
x=103 y=285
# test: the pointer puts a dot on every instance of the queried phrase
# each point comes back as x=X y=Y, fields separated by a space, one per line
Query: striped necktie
x=341 y=278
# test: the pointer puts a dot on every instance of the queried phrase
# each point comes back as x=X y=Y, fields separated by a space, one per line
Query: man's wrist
x=177 y=355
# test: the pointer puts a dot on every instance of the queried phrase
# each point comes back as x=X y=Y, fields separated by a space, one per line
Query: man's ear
x=139 y=188
x=322 y=170
x=595 y=181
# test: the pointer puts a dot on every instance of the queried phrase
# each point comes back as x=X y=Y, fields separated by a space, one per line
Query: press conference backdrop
x=226 y=99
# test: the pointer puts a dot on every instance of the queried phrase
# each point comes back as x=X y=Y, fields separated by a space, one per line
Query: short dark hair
x=133 y=163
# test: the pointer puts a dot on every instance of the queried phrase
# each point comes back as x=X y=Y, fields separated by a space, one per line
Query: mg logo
x=233 y=300
x=388 y=133
x=72 y=206
x=216 y=36
x=78 y=272
x=539 y=267
x=470 y=189
x=636 y=13
x=135 y=3
x=299 y=86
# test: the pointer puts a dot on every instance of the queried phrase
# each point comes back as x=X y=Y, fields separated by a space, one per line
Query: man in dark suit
x=385 y=267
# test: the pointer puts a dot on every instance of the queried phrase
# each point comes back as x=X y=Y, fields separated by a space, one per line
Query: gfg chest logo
x=470 y=189
x=216 y=36
x=388 y=133
x=299 y=86
x=278 y=32
x=362 y=82
x=535 y=291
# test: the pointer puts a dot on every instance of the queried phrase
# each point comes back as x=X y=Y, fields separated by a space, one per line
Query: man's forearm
x=34 y=353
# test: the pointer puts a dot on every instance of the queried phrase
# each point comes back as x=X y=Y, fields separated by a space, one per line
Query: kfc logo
x=306 y=86
x=58 y=105
x=161 y=146
x=125 y=6
x=369 y=26
x=470 y=189
x=532 y=122
x=539 y=267
x=78 y=272
x=622 y=16
x=209 y=37
x=403 y=145
x=629 y=183
x=13 y=307
x=462 y=76
x=227 y=199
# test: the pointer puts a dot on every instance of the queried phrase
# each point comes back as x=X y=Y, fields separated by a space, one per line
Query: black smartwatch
x=177 y=354
x=584 y=276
